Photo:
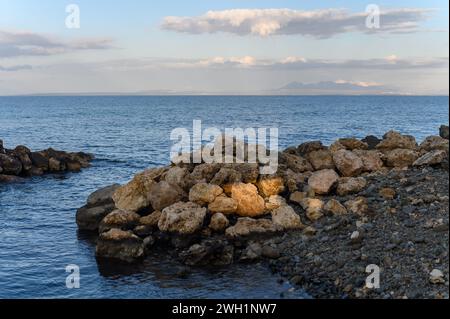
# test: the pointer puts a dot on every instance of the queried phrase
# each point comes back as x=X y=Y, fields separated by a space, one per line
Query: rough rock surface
x=321 y=182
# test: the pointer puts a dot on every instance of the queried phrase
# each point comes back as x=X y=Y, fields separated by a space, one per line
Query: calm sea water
x=38 y=234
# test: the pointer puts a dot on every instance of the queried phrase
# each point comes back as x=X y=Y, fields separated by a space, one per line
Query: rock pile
x=22 y=162
x=214 y=213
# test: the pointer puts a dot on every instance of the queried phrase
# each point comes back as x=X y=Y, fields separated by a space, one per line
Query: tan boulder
x=219 y=222
x=150 y=220
x=178 y=176
x=313 y=208
x=286 y=218
x=358 y=206
x=134 y=195
x=250 y=203
x=297 y=197
x=432 y=143
x=164 y=194
x=119 y=244
x=350 y=185
x=223 y=204
x=431 y=158
x=274 y=202
x=335 y=207
x=182 y=218
x=246 y=227
x=336 y=146
x=119 y=219
x=295 y=163
x=348 y=163
x=392 y=140
x=203 y=193
x=371 y=159
x=353 y=144
x=401 y=157
x=321 y=159
x=321 y=182
x=270 y=185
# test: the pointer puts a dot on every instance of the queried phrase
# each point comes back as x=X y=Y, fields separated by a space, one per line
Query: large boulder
x=102 y=195
x=309 y=147
x=246 y=228
x=431 y=158
x=119 y=244
x=183 y=218
x=119 y=219
x=321 y=159
x=274 y=202
x=392 y=140
x=443 y=131
x=432 y=143
x=348 y=163
x=371 y=141
x=350 y=185
x=295 y=163
x=39 y=160
x=164 y=194
x=135 y=195
x=286 y=217
x=270 y=185
x=249 y=202
x=204 y=172
x=22 y=153
x=321 y=182
x=353 y=144
x=225 y=176
x=400 y=157
x=151 y=220
x=204 y=193
x=89 y=218
x=11 y=165
x=371 y=159
x=223 y=204
x=178 y=176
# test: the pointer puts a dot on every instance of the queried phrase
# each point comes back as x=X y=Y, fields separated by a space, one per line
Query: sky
x=224 y=47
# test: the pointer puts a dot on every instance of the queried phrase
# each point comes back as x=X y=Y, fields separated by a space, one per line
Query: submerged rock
x=119 y=244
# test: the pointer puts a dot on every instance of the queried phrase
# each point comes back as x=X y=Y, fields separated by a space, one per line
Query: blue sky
x=130 y=46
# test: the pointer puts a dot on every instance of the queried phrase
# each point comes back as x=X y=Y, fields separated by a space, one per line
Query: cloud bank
x=16 y=44
x=323 y=23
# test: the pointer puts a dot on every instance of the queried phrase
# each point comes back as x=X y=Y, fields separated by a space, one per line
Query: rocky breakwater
x=21 y=162
x=320 y=198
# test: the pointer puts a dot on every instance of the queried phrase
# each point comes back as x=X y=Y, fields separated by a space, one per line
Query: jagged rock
x=119 y=244
x=432 y=143
x=164 y=194
x=89 y=218
x=393 y=140
x=286 y=218
x=247 y=227
x=219 y=222
x=401 y=157
x=336 y=146
x=313 y=208
x=443 y=131
x=248 y=171
x=178 y=176
x=431 y=158
x=321 y=182
x=371 y=141
x=274 y=202
x=223 y=204
x=204 y=172
x=151 y=220
x=371 y=160
x=119 y=219
x=270 y=185
x=225 y=176
x=350 y=185
x=358 y=206
x=203 y=193
x=353 y=144
x=134 y=195
x=182 y=218
x=250 y=203
x=295 y=163
x=348 y=163
x=335 y=207
x=321 y=159
x=309 y=147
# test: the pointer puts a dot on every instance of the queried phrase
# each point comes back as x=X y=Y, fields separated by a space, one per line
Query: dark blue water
x=38 y=234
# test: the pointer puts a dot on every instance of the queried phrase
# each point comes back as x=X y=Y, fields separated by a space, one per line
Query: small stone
x=313 y=207
x=219 y=222
x=355 y=237
x=357 y=206
x=437 y=277
x=335 y=207
x=387 y=193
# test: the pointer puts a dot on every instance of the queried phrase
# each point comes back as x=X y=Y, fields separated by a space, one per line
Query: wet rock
x=22 y=153
x=353 y=144
x=10 y=179
x=89 y=218
x=247 y=227
x=350 y=185
x=208 y=252
x=313 y=208
x=39 y=160
x=401 y=157
x=10 y=164
x=134 y=196
x=102 y=195
x=437 y=277
x=119 y=219
x=219 y=222
x=443 y=131
x=348 y=163
x=334 y=207
x=286 y=218
x=371 y=141
x=182 y=218
x=321 y=159
x=119 y=244
x=431 y=158
x=223 y=204
x=432 y=143
x=357 y=206
x=250 y=203
x=270 y=185
x=394 y=140
x=323 y=181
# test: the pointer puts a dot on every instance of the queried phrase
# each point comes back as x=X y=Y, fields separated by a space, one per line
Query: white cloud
x=318 y=23
x=22 y=43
